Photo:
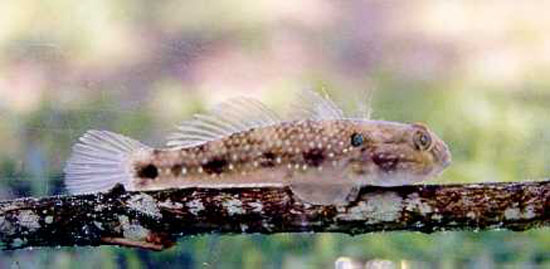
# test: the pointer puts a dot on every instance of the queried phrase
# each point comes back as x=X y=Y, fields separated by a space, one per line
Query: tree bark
x=155 y=219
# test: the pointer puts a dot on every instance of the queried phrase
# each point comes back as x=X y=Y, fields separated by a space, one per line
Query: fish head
x=397 y=154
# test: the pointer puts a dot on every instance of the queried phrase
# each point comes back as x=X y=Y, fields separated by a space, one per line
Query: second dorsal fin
x=235 y=115
x=311 y=105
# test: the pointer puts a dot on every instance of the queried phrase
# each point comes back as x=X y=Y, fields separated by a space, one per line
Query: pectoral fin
x=325 y=194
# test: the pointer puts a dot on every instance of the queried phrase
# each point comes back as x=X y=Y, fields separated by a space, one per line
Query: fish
x=322 y=154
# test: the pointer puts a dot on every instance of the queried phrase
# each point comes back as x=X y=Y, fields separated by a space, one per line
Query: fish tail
x=100 y=160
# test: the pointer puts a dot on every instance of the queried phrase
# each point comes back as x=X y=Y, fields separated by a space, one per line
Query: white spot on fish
x=163 y=171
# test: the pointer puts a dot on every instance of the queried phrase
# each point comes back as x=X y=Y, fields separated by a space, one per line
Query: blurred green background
x=475 y=72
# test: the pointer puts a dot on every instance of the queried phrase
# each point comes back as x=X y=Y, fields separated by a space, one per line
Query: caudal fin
x=99 y=161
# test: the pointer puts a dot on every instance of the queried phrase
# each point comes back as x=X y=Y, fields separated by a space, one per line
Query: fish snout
x=443 y=155
x=446 y=160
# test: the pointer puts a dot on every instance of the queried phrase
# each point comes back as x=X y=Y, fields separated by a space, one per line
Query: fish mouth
x=442 y=155
x=446 y=162
x=446 y=157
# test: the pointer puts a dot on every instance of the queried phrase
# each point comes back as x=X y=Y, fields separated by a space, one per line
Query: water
x=476 y=73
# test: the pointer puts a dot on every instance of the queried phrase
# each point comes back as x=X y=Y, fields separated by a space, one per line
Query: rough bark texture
x=156 y=219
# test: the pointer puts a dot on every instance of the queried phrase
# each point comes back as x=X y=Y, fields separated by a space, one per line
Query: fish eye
x=357 y=139
x=422 y=140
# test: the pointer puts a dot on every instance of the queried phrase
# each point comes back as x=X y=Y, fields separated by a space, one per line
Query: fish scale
x=257 y=151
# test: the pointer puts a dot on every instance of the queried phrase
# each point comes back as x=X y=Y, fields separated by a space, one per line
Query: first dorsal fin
x=363 y=104
x=315 y=106
x=236 y=115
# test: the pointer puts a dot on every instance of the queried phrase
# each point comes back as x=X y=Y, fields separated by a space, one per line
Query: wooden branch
x=155 y=219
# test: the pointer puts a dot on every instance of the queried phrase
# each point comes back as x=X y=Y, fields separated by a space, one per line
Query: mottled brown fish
x=323 y=156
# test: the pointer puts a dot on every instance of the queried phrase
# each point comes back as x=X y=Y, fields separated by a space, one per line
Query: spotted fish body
x=324 y=157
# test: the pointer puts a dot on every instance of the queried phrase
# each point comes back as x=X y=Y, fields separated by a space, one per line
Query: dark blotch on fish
x=215 y=166
x=176 y=170
x=149 y=171
x=268 y=159
x=314 y=157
